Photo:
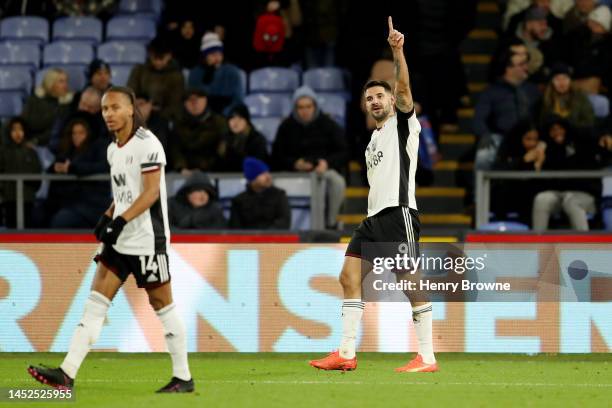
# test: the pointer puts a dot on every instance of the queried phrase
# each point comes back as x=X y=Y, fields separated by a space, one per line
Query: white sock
x=86 y=333
x=421 y=317
x=352 y=311
x=176 y=341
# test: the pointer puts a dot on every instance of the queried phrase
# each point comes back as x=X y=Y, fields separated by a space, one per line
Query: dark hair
x=159 y=46
x=138 y=119
x=9 y=126
x=375 y=82
x=66 y=146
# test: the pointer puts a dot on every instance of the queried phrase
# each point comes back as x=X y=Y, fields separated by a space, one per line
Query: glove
x=101 y=226
x=111 y=233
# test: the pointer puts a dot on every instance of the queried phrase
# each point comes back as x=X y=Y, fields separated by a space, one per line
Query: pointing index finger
x=390 y=24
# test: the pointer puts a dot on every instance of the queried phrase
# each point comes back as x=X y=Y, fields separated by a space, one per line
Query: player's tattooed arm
x=148 y=197
x=403 y=94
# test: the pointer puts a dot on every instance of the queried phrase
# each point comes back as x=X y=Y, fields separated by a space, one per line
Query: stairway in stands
x=444 y=217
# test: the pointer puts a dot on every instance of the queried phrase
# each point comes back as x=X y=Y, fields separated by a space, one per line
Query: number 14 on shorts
x=155 y=266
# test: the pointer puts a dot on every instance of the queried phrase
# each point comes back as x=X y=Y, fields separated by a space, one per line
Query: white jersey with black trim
x=391 y=160
x=149 y=233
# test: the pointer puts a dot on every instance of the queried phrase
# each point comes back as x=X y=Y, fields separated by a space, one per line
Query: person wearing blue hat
x=261 y=206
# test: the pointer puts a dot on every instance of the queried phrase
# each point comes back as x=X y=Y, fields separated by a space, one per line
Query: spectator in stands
x=221 y=81
x=588 y=51
x=262 y=206
x=78 y=204
x=17 y=156
x=195 y=205
x=310 y=141
x=575 y=197
x=241 y=140
x=197 y=135
x=99 y=75
x=578 y=15
x=523 y=150
x=538 y=36
x=562 y=99
x=186 y=43
x=154 y=121
x=102 y=9
x=555 y=11
x=515 y=45
x=50 y=100
x=89 y=108
x=161 y=78
x=502 y=106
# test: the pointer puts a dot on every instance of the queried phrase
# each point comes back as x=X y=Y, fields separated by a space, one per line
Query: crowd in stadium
x=546 y=108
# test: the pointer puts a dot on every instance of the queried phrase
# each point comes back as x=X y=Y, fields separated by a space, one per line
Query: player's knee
x=347 y=281
x=156 y=303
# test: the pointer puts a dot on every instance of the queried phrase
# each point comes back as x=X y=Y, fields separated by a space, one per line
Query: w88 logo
x=374 y=159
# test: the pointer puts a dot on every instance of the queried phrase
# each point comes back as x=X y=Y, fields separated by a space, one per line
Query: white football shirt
x=391 y=160
x=149 y=233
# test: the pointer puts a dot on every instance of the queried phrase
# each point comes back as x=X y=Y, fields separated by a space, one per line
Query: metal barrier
x=317 y=191
x=483 y=185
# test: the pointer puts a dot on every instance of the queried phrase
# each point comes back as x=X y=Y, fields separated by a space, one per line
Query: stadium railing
x=316 y=191
x=484 y=178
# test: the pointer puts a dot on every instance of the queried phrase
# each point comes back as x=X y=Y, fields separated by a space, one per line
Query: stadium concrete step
x=456 y=146
x=489 y=15
x=476 y=66
x=465 y=117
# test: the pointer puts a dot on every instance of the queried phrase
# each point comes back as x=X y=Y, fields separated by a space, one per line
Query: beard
x=381 y=114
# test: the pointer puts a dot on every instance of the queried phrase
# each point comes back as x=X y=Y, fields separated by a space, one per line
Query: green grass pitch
x=286 y=380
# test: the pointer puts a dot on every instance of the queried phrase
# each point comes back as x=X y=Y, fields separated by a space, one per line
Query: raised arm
x=403 y=94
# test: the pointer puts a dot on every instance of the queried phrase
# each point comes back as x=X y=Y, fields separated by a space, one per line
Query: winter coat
x=268 y=209
x=184 y=215
x=15 y=159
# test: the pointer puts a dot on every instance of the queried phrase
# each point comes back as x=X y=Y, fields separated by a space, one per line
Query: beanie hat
x=536 y=14
x=211 y=42
x=253 y=167
x=602 y=16
x=560 y=68
x=240 y=110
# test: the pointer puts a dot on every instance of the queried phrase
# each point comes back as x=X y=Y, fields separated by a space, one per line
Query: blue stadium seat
x=325 y=79
x=124 y=52
x=229 y=188
x=11 y=104
x=76 y=76
x=266 y=105
x=334 y=105
x=130 y=28
x=273 y=79
x=298 y=192
x=138 y=7
x=601 y=105
x=243 y=79
x=22 y=54
x=15 y=79
x=67 y=53
x=120 y=74
x=503 y=226
x=25 y=27
x=78 y=28
x=267 y=127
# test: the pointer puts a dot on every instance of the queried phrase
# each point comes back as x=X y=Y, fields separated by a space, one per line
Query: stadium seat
x=15 y=79
x=130 y=28
x=504 y=226
x=325 y=79
x=76 y=76
x=120 y=74
x=334 y=105
x=22 y=54
x=273 y=79
x=298 y=192
x=78 y=28
x=67 y=53
x=25 y=27
x=601 y=105
x=137 y=7
x=123 y=52
x=243 y=78
x=11 y=104
x=267 y=127
x=266 y=105
x=229 y=188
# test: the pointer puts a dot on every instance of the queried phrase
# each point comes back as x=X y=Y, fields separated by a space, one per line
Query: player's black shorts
x=392 y=225
x=150 y=271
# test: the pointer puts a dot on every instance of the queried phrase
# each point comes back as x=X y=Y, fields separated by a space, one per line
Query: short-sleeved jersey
x=391 y=160
x=149 y=233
